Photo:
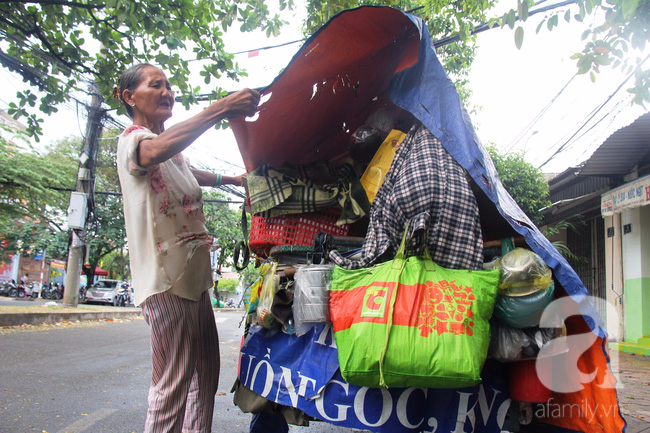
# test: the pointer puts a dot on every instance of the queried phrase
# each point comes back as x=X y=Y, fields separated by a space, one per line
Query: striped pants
x=185 y=361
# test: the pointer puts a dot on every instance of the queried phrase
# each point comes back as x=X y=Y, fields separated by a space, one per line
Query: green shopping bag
x=410 y=322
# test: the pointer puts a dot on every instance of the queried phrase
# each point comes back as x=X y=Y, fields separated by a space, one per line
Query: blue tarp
x=312 y=382
x=426 y=92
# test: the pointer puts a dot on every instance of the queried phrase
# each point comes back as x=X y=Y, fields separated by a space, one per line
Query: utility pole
x=82 y=199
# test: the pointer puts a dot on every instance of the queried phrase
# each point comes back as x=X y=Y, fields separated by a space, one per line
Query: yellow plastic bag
x=375 y=173
x=270 y=285
x=256 y=287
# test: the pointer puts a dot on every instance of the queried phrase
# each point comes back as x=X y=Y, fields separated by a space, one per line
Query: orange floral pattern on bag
x=446 y=307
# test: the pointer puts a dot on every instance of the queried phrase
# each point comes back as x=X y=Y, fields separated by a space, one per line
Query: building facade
x=607 y=197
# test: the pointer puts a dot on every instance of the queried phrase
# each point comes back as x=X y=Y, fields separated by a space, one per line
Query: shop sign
x=628 y=196
x=57 y=264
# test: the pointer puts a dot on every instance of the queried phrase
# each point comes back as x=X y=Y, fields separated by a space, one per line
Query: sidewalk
x=633 y=370
x=52 y=312
x=634 y=396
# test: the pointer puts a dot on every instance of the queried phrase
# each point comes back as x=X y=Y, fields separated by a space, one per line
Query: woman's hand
x=242 y=103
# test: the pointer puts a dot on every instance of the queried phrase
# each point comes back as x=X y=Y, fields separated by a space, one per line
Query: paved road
x=93 y=377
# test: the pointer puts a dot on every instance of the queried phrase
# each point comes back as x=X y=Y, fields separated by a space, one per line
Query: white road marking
x=86 y=422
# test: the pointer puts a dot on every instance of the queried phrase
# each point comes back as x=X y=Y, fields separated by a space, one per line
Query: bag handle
x=399 y=263
x=401 y=254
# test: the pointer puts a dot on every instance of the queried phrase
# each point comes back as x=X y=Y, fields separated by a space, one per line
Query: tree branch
x=50 y=49
x=56 y=2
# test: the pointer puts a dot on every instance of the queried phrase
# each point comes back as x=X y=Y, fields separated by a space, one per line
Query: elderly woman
x=169 y=246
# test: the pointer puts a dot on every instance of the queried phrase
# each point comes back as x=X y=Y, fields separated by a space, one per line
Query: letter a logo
x=374 y=302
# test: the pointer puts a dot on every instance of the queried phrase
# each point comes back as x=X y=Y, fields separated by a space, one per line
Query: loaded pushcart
x=391 y=296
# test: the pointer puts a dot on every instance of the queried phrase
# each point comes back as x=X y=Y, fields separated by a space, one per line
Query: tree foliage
x=614 y=29
x=223 y=223
x=33 y=200
x=30 y=184
x=116 y=263
x=572 y=223
x=525 y=182
x=35 y=193
x=228 y=285
x=61 y=46
x=617 y=32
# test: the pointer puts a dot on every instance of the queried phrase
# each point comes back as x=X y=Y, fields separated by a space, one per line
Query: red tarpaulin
x=329 y=90
x=98 y=271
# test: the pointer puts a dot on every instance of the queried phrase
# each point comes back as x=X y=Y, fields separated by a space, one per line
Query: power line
x=528 y=127
x=619 y=107
x=592 y=115
x=115 y=194
x=437 y=43
x=486 y=26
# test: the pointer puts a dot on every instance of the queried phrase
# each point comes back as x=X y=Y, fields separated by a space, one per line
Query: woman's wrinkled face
x=153 y=98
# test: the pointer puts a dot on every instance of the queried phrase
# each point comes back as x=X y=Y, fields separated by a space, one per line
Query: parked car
x=103 y=291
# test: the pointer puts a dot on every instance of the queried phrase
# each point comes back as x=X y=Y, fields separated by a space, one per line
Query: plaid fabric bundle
x=426 y=189
x=307 y=188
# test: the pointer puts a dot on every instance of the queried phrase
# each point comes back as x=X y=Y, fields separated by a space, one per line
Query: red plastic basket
x=293 y=229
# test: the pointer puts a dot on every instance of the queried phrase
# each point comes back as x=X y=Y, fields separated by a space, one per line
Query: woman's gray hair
x=130 y=79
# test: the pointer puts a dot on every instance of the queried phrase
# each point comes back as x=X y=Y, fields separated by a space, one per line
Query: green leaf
x=512 y=19
x=584 y=67
x=638 y=41
x=603 y=60
x=519 y=37
x=523 y=13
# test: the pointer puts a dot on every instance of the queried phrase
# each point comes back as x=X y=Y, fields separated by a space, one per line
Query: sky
x=525 y=107
x=517 y=102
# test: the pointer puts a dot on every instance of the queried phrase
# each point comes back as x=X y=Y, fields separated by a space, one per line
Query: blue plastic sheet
x=303 y=372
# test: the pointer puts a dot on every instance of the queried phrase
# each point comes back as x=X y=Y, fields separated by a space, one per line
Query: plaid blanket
x=428 y=190
x=307 y=188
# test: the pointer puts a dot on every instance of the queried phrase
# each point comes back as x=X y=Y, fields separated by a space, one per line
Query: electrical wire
x=591 y=115
x=109 y=193
x=486 y=26
x=535 y=119
x=619 y=108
